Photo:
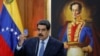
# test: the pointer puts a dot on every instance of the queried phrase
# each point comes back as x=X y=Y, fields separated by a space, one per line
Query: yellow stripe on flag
x=12 y=8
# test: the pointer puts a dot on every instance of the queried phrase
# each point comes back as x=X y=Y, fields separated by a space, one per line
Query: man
x=75 y=33
x=43 y=45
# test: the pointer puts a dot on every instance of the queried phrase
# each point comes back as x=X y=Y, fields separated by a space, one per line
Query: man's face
x=42 y=32
x=75 y=10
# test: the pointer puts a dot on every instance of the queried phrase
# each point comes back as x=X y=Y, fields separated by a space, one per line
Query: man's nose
x=75 y=13
x=40 y=31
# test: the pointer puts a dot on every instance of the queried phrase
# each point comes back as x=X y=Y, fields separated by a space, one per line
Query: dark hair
x=79 y=4
x=44 y=22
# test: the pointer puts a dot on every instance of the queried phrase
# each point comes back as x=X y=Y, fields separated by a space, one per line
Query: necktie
x=41 y=49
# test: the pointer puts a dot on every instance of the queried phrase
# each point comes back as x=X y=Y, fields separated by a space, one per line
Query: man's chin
x=41 y=38
x=74 y=17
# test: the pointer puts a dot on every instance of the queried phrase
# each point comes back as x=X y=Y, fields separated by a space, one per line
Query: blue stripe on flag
x=8 y=29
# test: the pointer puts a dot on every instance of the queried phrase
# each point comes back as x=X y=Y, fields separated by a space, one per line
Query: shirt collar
x=46 y=40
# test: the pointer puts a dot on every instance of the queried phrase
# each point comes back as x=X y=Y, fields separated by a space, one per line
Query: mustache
x=40 y=34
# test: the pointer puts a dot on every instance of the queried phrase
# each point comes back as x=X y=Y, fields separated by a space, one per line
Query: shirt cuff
x=19 y=47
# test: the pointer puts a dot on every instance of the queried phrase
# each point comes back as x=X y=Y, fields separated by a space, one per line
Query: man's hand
x=66 y=45
x=22 y=38
x=85 y=49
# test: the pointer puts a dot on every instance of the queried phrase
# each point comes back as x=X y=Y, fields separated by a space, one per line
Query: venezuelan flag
x=10 y=27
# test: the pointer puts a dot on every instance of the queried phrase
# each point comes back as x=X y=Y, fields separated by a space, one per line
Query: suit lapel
x=48 y=47
x=37 y=46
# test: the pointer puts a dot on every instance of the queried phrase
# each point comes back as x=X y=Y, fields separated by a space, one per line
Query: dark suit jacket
x=30 y=48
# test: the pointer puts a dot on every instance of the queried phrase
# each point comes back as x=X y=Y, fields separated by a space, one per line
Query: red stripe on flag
x=4 y=48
